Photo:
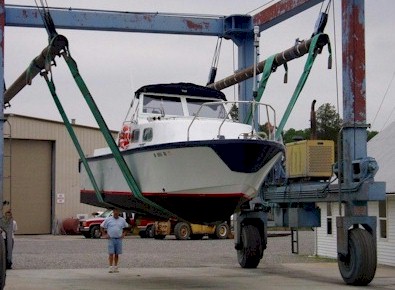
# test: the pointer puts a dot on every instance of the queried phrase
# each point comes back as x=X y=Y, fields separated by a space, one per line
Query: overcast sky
x=114 y=64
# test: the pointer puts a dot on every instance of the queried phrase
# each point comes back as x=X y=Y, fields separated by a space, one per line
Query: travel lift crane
x=356 y=231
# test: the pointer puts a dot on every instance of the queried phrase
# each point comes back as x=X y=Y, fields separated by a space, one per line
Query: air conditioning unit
x=310 y=159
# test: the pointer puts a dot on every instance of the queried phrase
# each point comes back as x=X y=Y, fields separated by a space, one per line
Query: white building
x=381 y=147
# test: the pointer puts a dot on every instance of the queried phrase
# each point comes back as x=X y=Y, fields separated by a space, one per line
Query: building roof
x=381 y=147
x=52 y=121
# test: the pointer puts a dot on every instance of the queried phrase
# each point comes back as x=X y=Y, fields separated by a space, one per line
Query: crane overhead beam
x=152 y=22
x=84 y=19
x=281 y=11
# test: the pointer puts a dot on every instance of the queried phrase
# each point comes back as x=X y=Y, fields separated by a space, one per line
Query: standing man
x=114 y=229
x=9 y=245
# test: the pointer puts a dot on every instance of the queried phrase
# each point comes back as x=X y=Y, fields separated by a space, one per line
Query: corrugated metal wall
x=66 y=182
x=326 y=244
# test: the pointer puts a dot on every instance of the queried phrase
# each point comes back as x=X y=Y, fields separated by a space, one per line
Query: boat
x=186 y=153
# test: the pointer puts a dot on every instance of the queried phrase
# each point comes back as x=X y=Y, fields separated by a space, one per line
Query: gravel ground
x=74 y=252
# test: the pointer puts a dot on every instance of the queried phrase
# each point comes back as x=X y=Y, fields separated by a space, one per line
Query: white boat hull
x=187 y=179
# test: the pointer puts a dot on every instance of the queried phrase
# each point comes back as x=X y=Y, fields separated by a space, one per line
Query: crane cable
x=47 y=19
x=214 y=63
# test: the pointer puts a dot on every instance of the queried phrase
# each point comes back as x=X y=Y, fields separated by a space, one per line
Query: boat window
x=147 y=134
x=209 y=110
x=135 y=135
x=154 y=104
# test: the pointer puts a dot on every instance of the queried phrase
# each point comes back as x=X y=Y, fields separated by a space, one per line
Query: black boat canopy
x=187 y=89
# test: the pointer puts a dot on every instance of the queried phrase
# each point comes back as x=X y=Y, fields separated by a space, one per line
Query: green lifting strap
x=69 y=127
x=307 y=68
x=267 y=71
x=150 y=206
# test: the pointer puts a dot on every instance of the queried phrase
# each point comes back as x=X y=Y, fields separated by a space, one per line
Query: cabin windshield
x=215 y=110
x=156 y=104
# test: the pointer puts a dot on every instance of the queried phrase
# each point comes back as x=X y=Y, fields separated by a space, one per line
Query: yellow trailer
x=184 y=230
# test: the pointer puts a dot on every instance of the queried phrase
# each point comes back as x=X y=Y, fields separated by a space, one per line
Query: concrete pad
x=282 y=276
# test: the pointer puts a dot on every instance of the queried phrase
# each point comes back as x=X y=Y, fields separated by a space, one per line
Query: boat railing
x=255 y=123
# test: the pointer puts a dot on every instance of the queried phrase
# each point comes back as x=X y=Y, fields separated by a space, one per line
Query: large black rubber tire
x=2 y=263
x=182 y=231
x=359 y=266
x=249 y=255
x=95 y=232
x=222 y=231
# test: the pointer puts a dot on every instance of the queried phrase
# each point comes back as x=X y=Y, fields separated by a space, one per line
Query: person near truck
x=7 y=220
x=114 y=229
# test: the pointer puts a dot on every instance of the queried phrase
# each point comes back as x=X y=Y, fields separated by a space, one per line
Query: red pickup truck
x=90 y=228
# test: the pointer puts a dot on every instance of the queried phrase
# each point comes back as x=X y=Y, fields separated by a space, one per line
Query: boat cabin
x=180 y=100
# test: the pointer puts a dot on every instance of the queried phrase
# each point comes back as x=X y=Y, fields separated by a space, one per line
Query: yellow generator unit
x=310 y=159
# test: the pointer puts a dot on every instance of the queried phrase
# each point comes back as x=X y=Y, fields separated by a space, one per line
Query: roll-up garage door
x=27 y=184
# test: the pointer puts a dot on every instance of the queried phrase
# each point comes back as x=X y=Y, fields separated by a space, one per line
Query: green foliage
x=328 y=122
x=328 y=126
x=291 y=134
x=371 y=134
x=234 y=112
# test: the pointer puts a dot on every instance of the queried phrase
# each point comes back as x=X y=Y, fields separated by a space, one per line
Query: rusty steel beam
x=279 y=59
x=354 y=83
x=119 y=21
x=38 y=64
x=353 y=44
x=281 y=11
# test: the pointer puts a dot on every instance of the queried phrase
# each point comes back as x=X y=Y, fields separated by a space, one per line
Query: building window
x=383 y=218
x=329 y=218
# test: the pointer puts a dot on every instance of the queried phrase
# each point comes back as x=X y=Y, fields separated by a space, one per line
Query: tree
x=292 y=134
x=371 y=134
x=328 y=123
x=234 y=112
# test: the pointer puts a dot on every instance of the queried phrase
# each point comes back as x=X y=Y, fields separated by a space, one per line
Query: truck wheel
x=150 y=231
x=95 y=232
x=359 y=266
x=142 y=234
x=182 y=231
x=87 y=235
x=2 y=263
x=222 y=231
x=249 y=255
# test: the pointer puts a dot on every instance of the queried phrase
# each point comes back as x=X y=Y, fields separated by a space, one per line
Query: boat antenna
x=254 y=87
x=214 y=63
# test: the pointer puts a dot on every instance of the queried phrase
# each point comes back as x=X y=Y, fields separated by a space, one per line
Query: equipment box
x=310 y=159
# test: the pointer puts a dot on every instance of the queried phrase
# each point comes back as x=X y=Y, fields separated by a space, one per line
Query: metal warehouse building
x=41 y=178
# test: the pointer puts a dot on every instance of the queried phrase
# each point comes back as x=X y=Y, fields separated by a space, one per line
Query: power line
x=260 y=7
x=382 y=101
